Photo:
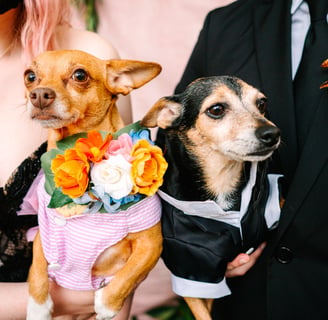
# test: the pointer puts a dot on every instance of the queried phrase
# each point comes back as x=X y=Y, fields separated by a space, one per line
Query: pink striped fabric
x=71 y=245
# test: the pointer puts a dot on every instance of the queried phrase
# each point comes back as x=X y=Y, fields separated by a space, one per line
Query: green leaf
x=91 y=14
x=176 y=311
x=162 y=312
x=135 y=126
x=185 y=312
x=59 y=199
x=46 y=159
x=69 y=142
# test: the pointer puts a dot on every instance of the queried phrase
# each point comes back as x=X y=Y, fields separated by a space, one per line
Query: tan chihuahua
x=69 y=92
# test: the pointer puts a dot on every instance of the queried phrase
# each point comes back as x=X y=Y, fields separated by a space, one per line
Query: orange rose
x=94 y=147
x=71 y=172
x=148 y=167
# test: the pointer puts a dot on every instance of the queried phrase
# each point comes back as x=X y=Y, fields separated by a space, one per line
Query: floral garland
x=107 y=172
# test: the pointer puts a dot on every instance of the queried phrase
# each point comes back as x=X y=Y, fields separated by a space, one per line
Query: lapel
x=312 y=161
x=272 y=33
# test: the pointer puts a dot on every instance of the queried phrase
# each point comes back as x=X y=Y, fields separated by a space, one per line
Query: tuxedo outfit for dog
x=200 y=238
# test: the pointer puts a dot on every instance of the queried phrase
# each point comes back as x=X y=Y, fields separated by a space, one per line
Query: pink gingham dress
x=72 y=245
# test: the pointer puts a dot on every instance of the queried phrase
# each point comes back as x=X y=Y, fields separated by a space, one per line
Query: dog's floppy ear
x=125 y=75
x=163 y=113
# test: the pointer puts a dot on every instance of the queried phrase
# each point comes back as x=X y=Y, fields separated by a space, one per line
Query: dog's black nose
x=42 y=97
x=269 y=135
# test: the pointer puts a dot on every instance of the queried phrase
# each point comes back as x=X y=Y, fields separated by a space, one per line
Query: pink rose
x=122 y=146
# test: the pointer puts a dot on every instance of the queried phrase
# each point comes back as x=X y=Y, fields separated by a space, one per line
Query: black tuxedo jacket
x=251 y=39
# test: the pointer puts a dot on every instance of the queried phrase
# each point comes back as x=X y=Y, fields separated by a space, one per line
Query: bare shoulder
x=91 y=42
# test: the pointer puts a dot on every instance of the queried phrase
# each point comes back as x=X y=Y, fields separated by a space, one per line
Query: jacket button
x=284 y=255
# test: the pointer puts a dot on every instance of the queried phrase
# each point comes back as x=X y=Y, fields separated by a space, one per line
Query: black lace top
x=15 y=251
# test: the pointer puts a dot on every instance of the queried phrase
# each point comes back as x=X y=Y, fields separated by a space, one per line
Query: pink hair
x=36 y=24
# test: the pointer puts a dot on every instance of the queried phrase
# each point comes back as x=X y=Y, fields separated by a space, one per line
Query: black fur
x=184 y=179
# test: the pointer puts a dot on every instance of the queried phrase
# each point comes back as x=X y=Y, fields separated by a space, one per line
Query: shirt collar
x=295 y=5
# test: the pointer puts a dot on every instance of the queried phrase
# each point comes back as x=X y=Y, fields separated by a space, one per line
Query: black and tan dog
x=218 y=200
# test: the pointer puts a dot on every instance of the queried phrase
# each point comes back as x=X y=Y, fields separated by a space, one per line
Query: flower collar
x=106 y=172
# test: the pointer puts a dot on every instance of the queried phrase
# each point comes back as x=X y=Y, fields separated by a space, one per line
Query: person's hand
x=243 y=262
x=80 y=303
x=70 y=301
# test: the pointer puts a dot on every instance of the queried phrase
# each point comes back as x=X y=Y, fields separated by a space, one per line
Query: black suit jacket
x=251 y=39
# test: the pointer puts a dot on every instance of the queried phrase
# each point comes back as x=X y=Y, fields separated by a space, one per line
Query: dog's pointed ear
x=163 y=113
x=125 y=75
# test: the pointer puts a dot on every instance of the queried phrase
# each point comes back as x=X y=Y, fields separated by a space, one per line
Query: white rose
x=113 y=175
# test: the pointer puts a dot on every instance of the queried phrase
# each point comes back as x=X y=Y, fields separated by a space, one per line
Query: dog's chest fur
x=193 y=177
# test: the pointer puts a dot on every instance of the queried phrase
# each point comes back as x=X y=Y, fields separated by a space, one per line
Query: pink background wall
x=162 y=31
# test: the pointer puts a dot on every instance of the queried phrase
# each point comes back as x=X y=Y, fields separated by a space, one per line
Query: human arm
x=13 y=301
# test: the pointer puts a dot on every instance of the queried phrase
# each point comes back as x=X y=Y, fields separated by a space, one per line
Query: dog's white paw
x=37 y=311
x=103 y=313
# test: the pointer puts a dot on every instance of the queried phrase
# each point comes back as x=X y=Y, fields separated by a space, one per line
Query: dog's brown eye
x=216 y=111
x=80 y=75
x=30 y=76
x=261 y=105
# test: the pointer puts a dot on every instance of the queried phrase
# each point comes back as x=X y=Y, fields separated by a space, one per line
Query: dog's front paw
x=36 y=311
x=103 y=313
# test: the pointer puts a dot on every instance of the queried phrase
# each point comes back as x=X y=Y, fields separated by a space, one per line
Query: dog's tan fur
x=82 y=105
x=221 y=145
x=68 y=105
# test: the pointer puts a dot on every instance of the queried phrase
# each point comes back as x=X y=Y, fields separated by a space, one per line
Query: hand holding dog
x=243 y=262
x=14 y=298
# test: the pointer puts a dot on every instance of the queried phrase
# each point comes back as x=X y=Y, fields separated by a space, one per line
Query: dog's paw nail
x=36 y=311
